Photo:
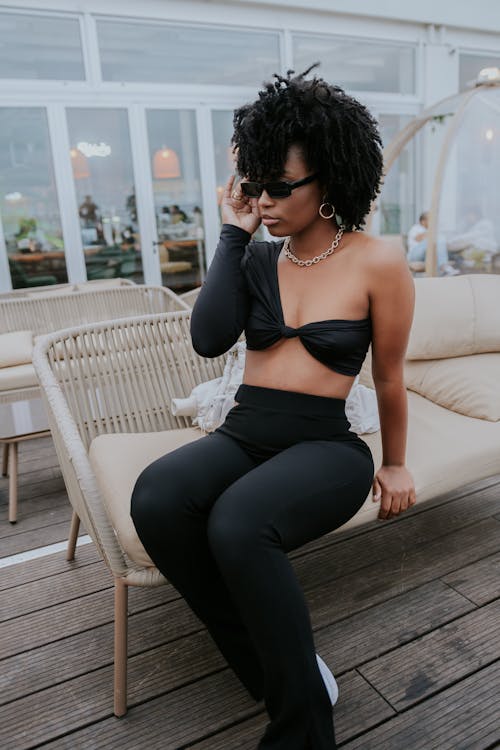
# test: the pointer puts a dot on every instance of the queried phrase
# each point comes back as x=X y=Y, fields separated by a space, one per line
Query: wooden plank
x=39 y=519
x=63 y=620
x=356 y=699
x=34 y=498
x=354 y=592
x=421 y=668
x=179 y=717
x=65 y=659
x=463 y=717
x=328 y=603
x=343 y=646
x=173 y=718
x=395 y=538
x=479 y=582
x=32 y=477
x=39 y=537
x=72 y=584
x=44 y=567
x=387 y=625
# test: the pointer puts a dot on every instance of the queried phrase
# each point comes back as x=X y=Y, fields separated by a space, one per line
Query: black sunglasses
x=273 y=189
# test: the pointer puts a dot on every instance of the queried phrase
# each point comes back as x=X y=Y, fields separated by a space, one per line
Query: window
x=358 y=64
x=177 y=196
x=470 y=65
x=397 y=197
x=40 y=47
x=161 y=53
x=101 y=160
x=28 y=200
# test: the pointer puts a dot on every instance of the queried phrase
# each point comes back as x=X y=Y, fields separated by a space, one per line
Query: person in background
x=417 y=246
x=478 y=239
x=177 y=215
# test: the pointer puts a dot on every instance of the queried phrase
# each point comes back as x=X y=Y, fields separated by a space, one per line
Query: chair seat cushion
x=16 y=348
x=467 y=385
x=117 y=461
x=445 y=451
x=19 y=376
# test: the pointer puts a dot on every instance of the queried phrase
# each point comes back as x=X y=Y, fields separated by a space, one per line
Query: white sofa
x=452 y=375
x=110 y=415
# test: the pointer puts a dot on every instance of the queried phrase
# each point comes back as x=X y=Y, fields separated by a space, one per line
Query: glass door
x=103 y=174
x=29 y=206
x=177 y=197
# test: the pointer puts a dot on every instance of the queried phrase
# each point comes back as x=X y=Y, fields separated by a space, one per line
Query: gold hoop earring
x=330 y=215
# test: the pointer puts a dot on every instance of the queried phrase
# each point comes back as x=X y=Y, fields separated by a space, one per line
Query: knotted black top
x=241 y=291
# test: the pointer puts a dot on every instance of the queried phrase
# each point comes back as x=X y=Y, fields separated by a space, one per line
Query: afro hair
x=338 y=137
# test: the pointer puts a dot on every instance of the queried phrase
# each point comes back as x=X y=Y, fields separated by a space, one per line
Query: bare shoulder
x=380 y=252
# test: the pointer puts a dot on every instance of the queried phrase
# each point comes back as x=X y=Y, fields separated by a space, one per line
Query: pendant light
x=79 y=164
x=166 y=164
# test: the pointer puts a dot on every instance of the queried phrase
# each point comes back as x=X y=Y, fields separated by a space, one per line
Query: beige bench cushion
x=467 y=385
x=455 y=316
x=16 y=348
x=445 y=451
x=20 y=376
x=117 y=461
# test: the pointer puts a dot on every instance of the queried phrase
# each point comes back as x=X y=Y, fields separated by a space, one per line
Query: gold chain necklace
x=311 y=261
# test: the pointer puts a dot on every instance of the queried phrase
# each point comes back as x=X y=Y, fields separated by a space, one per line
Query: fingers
x=392 y=506
x=412 y=498
x=231 y=194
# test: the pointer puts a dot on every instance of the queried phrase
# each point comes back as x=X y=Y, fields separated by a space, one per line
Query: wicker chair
x=42 y=312
x=45 y=312
x=191 y=296
x=107 y=389
x=84 y=286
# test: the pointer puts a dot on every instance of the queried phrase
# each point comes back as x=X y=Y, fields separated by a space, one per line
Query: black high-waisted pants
x=218 y=516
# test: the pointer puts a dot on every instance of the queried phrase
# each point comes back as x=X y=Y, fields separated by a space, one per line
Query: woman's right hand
x=239 y=210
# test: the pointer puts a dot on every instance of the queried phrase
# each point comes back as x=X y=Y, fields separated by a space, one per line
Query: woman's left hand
x=395 y=488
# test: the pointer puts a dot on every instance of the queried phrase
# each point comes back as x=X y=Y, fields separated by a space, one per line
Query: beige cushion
x=467 y=385
x=117 y=461
x=16 y=348
x=20 y=376
x=455 y=316
x=445 y=451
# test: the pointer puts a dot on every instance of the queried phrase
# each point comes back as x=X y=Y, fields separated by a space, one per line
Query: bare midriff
x=288 y=366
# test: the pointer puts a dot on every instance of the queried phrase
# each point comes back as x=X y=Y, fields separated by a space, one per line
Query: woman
x=218 y=516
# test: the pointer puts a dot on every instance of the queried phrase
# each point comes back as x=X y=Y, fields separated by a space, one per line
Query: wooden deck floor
x=406 y=613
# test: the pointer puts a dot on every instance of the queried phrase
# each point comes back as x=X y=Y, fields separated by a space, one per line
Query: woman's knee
x=154 y=498
x=233 y=532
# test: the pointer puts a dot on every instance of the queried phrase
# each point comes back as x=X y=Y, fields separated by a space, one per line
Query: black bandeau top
x=241 y=292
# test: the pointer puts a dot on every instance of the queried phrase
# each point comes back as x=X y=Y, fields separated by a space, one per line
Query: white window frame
x=136 y=98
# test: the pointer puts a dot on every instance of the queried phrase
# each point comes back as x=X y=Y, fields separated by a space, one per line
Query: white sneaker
x=448 y=270
x=329 y=680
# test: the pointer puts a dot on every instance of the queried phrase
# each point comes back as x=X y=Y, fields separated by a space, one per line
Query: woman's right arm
x=221 y=310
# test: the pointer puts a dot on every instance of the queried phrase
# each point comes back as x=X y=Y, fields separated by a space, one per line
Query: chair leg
x=5 y=459
x=121 y=624
x=73 y=536
x=13 y=483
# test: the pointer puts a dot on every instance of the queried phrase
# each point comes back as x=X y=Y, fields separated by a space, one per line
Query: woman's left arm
x=392 y=301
